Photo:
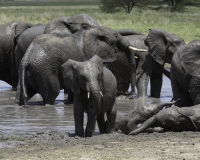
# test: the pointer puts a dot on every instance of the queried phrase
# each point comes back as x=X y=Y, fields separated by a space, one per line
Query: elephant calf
x=173 y=119
x=143 y=111
x=94 y=88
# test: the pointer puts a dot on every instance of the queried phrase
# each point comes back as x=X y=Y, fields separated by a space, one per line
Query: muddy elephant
x=185 y=74
x=94 y=88
x=40 y=66
x=61 y=27
x=145 y=108
x=162 y=46
x=9 y=35
x=173 y=119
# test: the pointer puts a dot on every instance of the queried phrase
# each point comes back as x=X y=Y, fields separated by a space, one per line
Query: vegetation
x=184 y=24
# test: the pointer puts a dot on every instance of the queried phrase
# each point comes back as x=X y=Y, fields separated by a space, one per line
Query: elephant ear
x=96 y=42
x=190 y=58
x=157 y=43
x=20 y=27
x=70 y=77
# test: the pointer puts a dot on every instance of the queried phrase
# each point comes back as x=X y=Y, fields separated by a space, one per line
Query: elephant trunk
x=96 y=96
x=144 y=126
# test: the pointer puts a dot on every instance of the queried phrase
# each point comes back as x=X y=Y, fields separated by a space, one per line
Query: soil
x=59 y=145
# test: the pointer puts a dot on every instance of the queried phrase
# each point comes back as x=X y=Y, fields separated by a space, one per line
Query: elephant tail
x=144 y=126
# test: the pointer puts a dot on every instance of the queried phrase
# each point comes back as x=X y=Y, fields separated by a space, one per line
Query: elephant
x=124 y=66
x=9 y=35
x=65 y=26
x=173 y=119
x=40 y=66
x=94 y=88
x=145 y=108
x=162 y=46
x=61 y=27
x=185 y=74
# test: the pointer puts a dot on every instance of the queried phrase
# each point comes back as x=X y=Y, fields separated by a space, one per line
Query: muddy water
x=36 y=118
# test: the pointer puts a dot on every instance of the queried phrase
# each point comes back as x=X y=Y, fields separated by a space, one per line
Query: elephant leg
x=156 y=85
x=78 y=115
x=132 y=72
x=91 y=122
x=195 y=90
x=178 y=92
x=50 y=89
x=142 y=84
x=111 y=117
x=101 y=123
x=70 y=98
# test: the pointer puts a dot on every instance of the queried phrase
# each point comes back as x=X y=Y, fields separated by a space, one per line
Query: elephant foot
x=68 y=101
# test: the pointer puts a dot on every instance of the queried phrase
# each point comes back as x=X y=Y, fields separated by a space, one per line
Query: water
x=17 y=120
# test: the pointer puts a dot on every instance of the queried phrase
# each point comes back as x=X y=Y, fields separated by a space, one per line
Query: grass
x=186 y=25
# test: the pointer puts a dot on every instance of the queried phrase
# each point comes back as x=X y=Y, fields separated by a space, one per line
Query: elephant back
x=190 y=58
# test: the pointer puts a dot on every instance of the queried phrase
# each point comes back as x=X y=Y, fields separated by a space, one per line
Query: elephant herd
x=95 y=64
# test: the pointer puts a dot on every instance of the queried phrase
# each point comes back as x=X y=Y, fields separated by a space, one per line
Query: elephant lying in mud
x=146 y=108
x=185 y=74
x=40 y=66
x=94 y=88
x=173 y=119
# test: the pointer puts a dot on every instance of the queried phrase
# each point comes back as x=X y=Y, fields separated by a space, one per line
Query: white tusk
x=88 y=95
x=101 y=93
x=137 y=49
x=136 y=57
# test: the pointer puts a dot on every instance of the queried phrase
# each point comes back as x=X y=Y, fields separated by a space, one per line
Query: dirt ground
x=56 y=145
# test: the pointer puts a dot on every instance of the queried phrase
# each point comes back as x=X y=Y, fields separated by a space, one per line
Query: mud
x=46 y=132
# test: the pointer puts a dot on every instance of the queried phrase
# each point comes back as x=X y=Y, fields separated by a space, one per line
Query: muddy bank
x=57 y=145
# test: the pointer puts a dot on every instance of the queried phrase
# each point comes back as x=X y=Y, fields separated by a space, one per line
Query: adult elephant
x=8 y=37
x=94 y=88
x=162 y=46
x=173 y=119
x=61 y=27
x=40 y=67
x=185 y=74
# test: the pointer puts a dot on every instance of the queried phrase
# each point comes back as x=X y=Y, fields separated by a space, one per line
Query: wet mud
x=46 y=132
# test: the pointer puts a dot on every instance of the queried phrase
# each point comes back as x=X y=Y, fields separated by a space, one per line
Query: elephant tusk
x=101 y=93
x=137 y=49
x=88 y=95
x=136 y=57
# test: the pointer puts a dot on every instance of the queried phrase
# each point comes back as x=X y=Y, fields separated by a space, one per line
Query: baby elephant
x=94 y=88
x=145 y=108
x=173 y=119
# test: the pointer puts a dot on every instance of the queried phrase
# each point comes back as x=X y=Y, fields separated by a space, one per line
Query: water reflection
x=16 y=120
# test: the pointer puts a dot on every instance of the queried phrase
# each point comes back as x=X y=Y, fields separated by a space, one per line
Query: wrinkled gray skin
x=173 y=119
x=65 y=26
x=146 y=108
x=185 y=74
x=162 y=46
x=90 y=77
x=40 y=66
x=9 y=34
x=60 y=27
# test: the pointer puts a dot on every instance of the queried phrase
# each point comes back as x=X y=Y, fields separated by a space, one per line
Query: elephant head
x=103 y=42
x=162 y=45
x=65 y=26
x=85 y=78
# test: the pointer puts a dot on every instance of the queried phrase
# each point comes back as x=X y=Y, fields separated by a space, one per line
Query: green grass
x=186 y=25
